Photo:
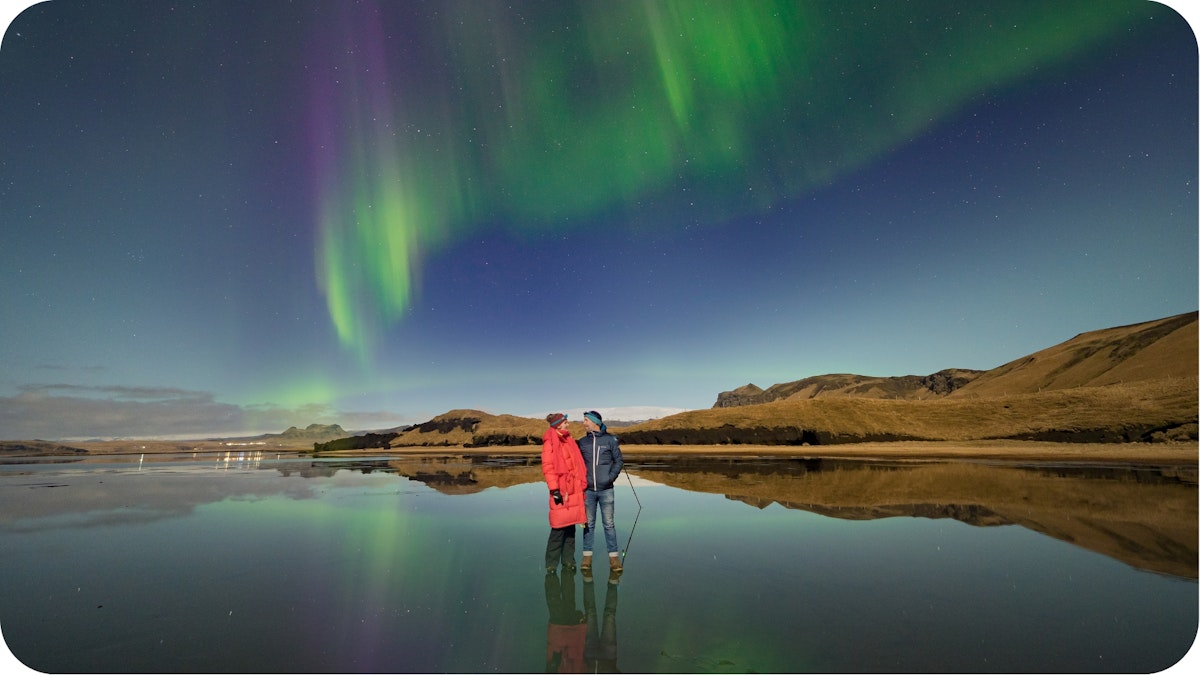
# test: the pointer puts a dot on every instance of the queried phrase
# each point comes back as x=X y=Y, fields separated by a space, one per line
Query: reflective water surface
x=263 y=564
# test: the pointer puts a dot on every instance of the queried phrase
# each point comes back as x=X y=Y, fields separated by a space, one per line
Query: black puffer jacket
x=602 y=457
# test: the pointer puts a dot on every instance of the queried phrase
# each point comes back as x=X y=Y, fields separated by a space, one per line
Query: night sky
x=226 y=217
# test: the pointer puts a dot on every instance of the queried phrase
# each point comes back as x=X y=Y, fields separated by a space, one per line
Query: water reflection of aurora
x=758 y=565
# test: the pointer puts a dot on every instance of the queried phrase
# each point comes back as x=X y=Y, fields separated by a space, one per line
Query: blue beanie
x=595 y=418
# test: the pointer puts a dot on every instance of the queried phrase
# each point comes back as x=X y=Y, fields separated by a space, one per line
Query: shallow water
x=258 y=564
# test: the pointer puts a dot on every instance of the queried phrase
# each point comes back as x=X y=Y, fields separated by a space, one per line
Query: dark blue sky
x=224 y=217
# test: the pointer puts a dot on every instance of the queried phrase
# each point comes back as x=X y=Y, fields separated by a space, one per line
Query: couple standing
x=580 y=475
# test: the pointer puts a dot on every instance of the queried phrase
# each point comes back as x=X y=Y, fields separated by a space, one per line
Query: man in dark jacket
x=602 y=457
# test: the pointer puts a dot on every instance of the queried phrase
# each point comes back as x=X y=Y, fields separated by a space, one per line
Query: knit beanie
x=596 y=419
x=556 y=419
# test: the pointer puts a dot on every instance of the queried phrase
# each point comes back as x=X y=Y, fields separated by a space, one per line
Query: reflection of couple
x=577 y=642
x=580 y=476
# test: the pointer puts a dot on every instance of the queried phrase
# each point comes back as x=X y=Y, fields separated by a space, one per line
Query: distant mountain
x=460 y=428
x=312 y=431
x=38 y=448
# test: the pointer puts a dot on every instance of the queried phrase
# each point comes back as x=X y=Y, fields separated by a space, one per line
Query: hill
x=1157 y=410
x=38 y=449
x=1133 y=383
x=456 y=428
x=1153 y=350
x=312 y=431
x=844 y=385
x=294 y=435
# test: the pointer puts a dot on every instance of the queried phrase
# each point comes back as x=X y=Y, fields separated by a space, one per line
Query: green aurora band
x=647 y=112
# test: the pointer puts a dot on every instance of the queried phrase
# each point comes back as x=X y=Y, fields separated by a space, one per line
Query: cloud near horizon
x=63 y=412
x=68 y=411
x=632 y=413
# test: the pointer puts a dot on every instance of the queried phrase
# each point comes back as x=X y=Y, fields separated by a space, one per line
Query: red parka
x=562 y=465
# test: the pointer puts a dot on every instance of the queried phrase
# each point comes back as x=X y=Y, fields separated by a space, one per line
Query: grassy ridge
x=1156 y=410
x=1137 y=411
x=1154 y=350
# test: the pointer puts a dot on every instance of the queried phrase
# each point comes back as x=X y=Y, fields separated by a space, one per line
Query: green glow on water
x=301 y=565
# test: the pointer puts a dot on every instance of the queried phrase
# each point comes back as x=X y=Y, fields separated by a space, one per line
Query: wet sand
x=1171 y=454
x=1024 y=451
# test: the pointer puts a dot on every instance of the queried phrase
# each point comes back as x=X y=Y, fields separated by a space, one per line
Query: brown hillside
x=1120 y=385
x=1166 y=348
x=845 y=385
x=473 y=428
x=1153 y=410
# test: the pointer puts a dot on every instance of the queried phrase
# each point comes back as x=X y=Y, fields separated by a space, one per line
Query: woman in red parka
x=562 y=465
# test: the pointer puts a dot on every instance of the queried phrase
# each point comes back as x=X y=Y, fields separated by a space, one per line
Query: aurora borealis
x=224 y=217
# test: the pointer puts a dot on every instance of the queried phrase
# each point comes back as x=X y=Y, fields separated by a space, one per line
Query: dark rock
x=936 y=385
x=362 y=442
x=749 y=394
x=1143 y=433
x=731 y=435
x=448 y=425
x=501 y=440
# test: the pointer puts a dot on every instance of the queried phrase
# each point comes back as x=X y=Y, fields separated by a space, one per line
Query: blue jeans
x=606 y=499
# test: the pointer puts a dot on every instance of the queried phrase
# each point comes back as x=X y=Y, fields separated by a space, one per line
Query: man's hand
x=557 y=496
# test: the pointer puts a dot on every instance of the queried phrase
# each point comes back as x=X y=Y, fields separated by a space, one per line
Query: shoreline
x=1160 y=454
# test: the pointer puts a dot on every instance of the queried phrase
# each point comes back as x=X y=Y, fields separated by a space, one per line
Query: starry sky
x=222 y=218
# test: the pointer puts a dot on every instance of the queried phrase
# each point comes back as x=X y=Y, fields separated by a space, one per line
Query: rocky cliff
x=903 y=387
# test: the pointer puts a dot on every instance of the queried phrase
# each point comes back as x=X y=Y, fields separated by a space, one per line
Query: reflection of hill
x=448 y=475
x=468 y=475
x=1146 y=518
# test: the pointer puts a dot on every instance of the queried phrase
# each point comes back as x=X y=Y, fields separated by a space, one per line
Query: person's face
x=590 y=425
